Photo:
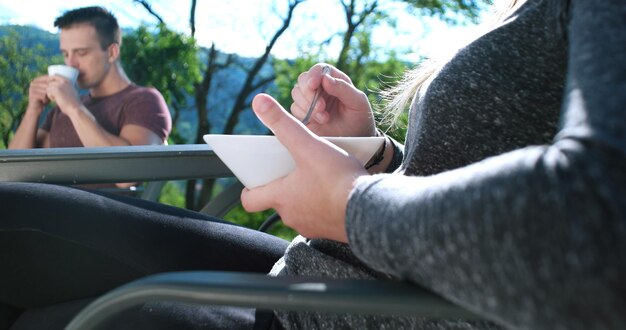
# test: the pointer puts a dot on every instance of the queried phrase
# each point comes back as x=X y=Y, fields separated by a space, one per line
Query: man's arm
x=27 y=135
x=88 y=129
x=92 y=134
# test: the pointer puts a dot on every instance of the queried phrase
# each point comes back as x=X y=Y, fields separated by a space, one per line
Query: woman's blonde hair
x=397 y=99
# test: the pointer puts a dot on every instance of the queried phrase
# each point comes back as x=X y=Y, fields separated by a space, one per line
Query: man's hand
x=38 y=95
x=62 y=92
x=313 y=198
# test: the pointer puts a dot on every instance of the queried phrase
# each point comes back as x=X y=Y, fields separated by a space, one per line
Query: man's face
x=81 y=49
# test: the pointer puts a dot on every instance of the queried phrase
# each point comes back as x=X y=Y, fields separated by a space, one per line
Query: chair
x=157 y=163
x=371 y=297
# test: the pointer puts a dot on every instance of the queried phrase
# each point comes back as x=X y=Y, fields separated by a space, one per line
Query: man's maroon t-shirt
x=135 y=105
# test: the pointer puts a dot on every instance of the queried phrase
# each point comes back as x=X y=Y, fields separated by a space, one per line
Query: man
x=116 y=112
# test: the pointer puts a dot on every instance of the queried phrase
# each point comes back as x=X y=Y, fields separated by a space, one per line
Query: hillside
x=32 y=36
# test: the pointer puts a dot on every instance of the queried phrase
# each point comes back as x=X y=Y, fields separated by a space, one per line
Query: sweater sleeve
x=534 y=238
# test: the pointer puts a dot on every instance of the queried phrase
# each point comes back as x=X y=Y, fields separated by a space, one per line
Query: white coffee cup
x=66 y=71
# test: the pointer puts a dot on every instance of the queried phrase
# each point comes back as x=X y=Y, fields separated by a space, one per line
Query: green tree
x=254 y=80
x=360 y=60
x=451 y=11
x=372 y=77
x=171 y=194
x=166 y=60
x=19 y=64
x=254 y=220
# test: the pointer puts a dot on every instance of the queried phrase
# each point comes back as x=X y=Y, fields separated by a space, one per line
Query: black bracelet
x=380 y=155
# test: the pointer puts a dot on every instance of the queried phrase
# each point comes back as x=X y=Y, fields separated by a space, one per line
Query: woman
x=531 y=238
x=508 y=199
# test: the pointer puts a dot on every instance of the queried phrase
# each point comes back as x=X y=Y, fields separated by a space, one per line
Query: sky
x=242 y=26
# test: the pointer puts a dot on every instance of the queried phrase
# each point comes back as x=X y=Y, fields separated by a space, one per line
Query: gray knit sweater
x=511 y=197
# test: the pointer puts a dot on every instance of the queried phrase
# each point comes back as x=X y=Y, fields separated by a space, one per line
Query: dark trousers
x=60 y=246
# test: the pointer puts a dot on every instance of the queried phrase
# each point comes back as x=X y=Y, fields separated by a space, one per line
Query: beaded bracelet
x=380 y=155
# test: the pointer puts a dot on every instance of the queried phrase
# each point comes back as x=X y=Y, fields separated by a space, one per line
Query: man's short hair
x=101 y=19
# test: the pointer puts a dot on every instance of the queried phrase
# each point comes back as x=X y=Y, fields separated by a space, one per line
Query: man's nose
x=71 y=61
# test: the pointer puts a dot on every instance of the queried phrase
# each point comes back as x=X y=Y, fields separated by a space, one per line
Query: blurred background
x=209 y=58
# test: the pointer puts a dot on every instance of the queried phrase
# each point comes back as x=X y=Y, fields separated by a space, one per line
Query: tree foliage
x=19 y=64
x=164 y=59
x=254 y=220
x=357 y=57
x=255 y=80
x=451 y=11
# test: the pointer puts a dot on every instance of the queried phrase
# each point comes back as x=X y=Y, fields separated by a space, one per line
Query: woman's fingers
x=260 y=198
x=304 y=92
x=291 y=133
x=323 y=176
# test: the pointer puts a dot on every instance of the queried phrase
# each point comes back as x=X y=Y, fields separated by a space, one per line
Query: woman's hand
x=313 y=198
x=341 y=110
